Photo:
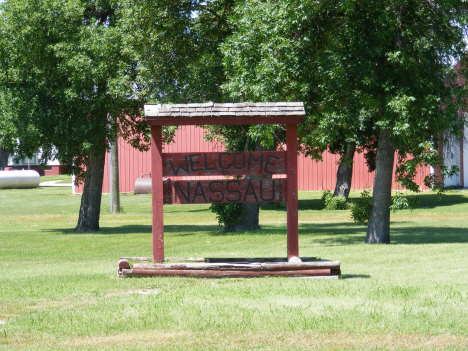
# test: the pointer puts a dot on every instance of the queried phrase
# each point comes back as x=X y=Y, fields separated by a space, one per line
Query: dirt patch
x=2 y=322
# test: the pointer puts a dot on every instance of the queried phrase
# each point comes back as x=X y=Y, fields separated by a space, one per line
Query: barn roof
x=225 y=113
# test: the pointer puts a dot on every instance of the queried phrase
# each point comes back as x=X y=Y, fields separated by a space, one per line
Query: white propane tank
x=19 y=179
x=143 y=185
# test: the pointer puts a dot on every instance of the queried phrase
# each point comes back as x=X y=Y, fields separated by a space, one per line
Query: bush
x=334 y=203
x=326 y=197
x=361 y=209
x=401 y=201
x=338 y=203
x=228 y=215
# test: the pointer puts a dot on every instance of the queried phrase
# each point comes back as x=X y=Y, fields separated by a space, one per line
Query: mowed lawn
x=59 y=289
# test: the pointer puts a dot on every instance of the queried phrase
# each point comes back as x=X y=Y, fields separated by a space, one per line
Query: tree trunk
x=90 y=209
x=3 y=158
x=249 y=219
x=378 y=231
x=115 y=176
x=345 y=172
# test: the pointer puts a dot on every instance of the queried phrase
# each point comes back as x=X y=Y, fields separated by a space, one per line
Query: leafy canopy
x=63 y=69
x=360 y=66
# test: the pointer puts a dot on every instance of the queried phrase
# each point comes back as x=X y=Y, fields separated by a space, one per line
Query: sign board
x=225 y=191
x=224 y=163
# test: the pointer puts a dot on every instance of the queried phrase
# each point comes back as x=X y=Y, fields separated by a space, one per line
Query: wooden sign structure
x=225 y=190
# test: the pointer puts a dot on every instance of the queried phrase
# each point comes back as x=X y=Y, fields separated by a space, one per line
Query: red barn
x=312 y=175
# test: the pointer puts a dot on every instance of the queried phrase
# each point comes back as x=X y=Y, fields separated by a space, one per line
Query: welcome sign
x=228 y=187
x=224 y=190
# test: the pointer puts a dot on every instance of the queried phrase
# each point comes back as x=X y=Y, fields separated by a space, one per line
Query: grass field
x=63 y=178
x=59 y=289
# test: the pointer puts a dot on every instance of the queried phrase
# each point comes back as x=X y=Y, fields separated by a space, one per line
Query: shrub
x=401 y=201
x=361 y=209
x=326 y=197
x=334 y=203
x=228 y=215
x=338 y=203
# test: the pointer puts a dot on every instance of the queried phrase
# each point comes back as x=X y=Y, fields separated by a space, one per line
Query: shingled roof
x=218 y=112
x=211 y=109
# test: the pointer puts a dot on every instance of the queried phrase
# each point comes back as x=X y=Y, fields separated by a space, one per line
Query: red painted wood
x=292 y=206
x=123 y=264
x=223 y=163
x=462 y=167
x=178 y=121
x=225 y=191
x=157 y=193
x=252 y=266
x=142 y=271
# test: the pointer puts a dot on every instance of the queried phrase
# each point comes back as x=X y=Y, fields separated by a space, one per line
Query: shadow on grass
x=312 y=204
x=355 y=276
x=348 y=234
x=429 y=235
x=182 y=230
x=428 y=201
x=325 y=233
x=322 y=233
x=351 y=234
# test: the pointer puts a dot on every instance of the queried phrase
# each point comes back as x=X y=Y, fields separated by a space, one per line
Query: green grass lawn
x=59 y=289
x=63 y=178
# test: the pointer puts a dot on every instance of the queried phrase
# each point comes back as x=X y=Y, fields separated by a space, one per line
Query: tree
x=189 y=66
x=3 y=125
x=63 y=70
x=398 y=56
x=377 y=74
x=344 y=173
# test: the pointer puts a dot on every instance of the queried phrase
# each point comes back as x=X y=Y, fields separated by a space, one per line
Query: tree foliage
x=279 y=51
x=176 y=44
x=399 y=56
x=63 y=72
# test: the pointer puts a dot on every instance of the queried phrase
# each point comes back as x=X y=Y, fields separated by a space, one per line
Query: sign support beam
x=292 y=206
x=157 y=193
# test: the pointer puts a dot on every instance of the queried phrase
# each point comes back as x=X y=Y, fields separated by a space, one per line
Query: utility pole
x=114 y=172
x=115 y=175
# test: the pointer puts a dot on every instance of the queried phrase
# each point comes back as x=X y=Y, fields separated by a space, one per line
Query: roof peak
x=238 y=109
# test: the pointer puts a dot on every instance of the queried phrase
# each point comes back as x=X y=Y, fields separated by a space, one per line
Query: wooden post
x=462 y=166
x=157 y=193
x=292 y=207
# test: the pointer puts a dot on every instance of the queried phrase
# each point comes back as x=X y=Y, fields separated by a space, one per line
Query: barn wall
x=312 y=175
